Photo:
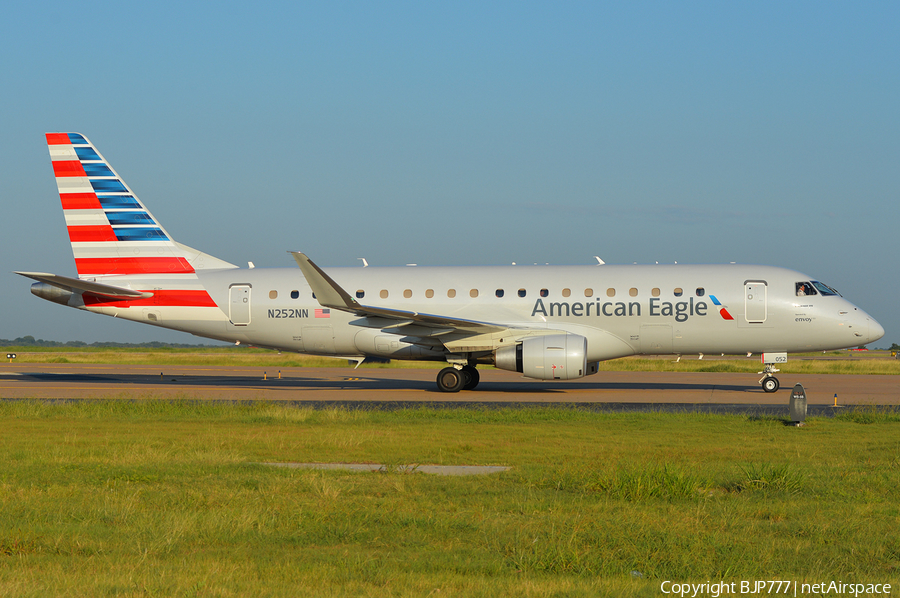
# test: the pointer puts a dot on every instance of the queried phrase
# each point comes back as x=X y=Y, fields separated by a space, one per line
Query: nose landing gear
x=769 y=382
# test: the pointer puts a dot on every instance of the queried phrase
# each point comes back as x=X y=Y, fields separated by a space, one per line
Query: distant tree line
x=30 y=341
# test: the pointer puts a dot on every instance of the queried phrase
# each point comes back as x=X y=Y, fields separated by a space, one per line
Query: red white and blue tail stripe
x=111 y=231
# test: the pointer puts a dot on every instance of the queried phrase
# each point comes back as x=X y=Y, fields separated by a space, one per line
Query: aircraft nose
x=876 y=331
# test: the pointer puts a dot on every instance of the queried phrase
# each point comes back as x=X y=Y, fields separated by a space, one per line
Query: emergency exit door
x=240 y=305
x=755 y=310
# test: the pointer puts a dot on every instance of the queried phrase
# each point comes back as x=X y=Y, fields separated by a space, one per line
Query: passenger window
x=610 y=292
x=521 y=292
x=473 y=293
x=678 y=292
x=407 y=293
x=566 y=292
x=384 y=293
x=360 y=294
x=545 y=293
x=429 y=293
x=498 y=293
x=589 y=292
x=273 y=294
x=632 y=292
x=655 y=292
x=701 y=291
x=295 y=294
x=451 y=293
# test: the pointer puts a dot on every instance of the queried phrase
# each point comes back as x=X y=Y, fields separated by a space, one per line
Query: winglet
x=328 y=293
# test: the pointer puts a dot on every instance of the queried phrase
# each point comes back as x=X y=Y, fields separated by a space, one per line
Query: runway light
x=10 y=356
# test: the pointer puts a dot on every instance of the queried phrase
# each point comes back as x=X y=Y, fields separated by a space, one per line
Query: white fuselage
x=621 y=310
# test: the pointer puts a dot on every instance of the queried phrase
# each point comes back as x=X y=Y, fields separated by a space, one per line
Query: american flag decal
x=323 y=313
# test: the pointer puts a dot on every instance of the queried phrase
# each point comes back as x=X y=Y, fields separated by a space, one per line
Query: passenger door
x=755 y=309
x=239 y=304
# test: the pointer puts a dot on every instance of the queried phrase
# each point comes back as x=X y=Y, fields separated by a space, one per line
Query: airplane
x=545 y=322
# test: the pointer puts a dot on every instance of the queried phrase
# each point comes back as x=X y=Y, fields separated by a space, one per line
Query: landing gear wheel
x=450 y=380
x=770 y=384
x=472 y=377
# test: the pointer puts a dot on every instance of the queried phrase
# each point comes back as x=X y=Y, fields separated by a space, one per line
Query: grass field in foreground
x=169 y=499
x=834 y=362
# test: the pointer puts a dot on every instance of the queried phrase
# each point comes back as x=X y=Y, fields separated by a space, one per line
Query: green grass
x=846 y=363
x=147 y=498
x=211 y=356
x=836 y=362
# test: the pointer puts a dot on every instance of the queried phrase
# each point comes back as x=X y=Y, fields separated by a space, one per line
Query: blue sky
x=464 y=134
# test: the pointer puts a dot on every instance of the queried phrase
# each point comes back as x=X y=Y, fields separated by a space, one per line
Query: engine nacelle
x=550 y=357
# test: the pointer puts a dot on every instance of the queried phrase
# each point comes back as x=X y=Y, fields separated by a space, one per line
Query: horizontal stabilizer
x=74 y=285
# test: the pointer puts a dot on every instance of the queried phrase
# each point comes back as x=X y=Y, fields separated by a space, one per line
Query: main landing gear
x=453 y=379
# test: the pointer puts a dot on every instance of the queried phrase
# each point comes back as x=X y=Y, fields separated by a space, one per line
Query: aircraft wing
x=76 y=284
x=330 y=294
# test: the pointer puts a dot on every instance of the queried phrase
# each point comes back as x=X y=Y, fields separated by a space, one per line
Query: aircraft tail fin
x=111 y=231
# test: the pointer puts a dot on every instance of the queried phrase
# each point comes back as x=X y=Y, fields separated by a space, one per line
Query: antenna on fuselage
x=365 y=263
x=599 y=261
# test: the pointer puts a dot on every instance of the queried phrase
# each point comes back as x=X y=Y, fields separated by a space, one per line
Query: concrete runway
x=404 y=387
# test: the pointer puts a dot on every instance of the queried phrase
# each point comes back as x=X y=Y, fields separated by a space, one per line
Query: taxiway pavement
x=346 y=385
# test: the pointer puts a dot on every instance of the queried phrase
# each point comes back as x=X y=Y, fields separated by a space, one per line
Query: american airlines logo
x=723 y=311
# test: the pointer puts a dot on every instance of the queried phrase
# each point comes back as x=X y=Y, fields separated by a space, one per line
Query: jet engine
x=550 y=357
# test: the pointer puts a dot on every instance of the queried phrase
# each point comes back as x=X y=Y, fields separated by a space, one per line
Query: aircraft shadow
x=376 y=384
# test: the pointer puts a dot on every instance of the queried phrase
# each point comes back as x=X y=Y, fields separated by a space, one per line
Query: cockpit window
x=805 y=288
x=825 y=289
